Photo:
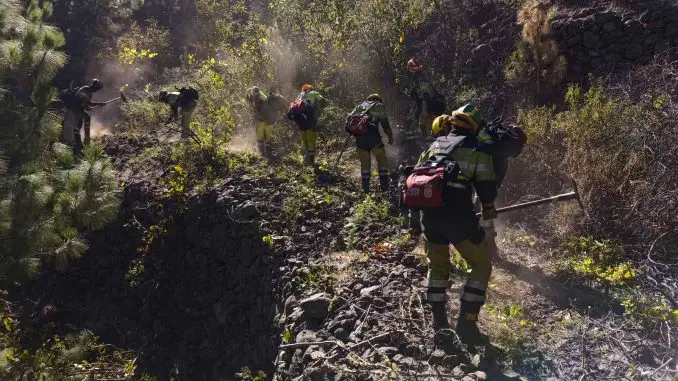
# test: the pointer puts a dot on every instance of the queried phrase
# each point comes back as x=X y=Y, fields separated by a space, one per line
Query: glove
x=489 y=212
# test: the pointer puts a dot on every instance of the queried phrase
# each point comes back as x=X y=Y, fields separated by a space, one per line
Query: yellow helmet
x=306 y=87
x=440 y=124
x=464 y=121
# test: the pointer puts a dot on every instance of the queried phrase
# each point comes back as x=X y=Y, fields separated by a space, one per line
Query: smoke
x=116 y=79
x=244 y=140
x=287 y=61
x=98 y=128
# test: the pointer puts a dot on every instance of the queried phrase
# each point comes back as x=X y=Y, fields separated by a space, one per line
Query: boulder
x=591 y=40
x=388 y=351
x=306 y=337
x=610 y=26
x=671 y=30
x=316 y=306
x=634 y=51
x=246 y=211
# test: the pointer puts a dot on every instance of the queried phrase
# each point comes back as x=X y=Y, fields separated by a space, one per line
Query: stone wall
x=596 y=39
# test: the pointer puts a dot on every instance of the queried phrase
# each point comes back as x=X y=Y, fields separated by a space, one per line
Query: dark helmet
x=96 y=85
x=374 y=98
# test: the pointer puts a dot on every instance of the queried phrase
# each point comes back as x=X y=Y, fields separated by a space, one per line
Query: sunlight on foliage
x=599 y=260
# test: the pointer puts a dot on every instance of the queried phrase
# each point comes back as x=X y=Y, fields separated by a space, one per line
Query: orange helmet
x=414 y=65
x=306 y=87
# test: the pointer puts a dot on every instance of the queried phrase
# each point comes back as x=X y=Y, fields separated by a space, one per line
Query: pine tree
x=536 y=64
x=48 y=199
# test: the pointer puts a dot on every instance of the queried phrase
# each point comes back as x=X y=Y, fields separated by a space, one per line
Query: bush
x=620 y=152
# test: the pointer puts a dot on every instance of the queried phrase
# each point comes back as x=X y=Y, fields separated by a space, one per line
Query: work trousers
x=365 y=157
x=473 y=251
x=264 y=135
x=309 y=141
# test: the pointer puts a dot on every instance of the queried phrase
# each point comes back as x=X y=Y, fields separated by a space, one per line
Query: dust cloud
x=116 y=78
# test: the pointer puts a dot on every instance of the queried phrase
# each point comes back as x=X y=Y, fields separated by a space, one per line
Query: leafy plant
x=599 y=260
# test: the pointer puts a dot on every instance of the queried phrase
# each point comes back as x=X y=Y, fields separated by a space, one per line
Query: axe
x=574 y=195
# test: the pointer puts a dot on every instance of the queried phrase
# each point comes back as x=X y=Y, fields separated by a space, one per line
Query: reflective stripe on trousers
x=440 y=268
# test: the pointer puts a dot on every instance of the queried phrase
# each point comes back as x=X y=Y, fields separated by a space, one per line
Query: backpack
x=358 y=124
x=69 y=98
x=299 y=107
x=508 y=141
x=188 y=96
x=425 y=187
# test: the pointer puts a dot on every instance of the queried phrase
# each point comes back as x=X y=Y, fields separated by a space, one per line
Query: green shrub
x=599 y=260
x=144 y=116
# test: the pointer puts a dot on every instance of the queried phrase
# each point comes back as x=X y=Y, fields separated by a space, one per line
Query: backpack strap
x=446 y=144
x=367 y=110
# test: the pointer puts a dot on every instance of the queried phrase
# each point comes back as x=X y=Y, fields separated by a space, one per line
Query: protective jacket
x=421 y=88
x=261 y=108
x=376 y=112
x=85 y=94
x=172 y=99
x=457 y=217
x=313 y=97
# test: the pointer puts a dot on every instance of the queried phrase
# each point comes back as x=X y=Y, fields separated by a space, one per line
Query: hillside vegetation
x=150 y=257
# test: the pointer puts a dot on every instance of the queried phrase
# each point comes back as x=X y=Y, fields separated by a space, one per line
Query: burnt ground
x=258 y=269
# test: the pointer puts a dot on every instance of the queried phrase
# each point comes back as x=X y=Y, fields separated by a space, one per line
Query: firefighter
x=77 y=103
x=363 y=123
x=262 y=114
x=185 y=98
x=304 y=112
x=455 y=222
x=426 y=102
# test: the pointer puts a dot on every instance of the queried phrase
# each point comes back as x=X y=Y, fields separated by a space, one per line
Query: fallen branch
x=360 y=344
x=302 y=345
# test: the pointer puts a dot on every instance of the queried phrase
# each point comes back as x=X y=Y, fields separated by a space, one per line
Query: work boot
x=77 y=144
x=383 y=182
x=468 y=332
x=439 y=316
x=366 y=185
x=415 y=222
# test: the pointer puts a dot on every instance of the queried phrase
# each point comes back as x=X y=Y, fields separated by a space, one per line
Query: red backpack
x=425 y=186
x=359 y=124
x=298 y=107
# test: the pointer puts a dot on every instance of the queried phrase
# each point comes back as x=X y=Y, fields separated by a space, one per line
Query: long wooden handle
x=548 y=200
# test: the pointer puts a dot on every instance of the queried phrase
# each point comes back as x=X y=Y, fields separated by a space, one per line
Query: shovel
x=574 y=195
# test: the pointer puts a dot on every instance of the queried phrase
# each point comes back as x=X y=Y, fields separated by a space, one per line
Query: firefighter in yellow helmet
x=363 y=123
x=304 y=112
x=455 y=222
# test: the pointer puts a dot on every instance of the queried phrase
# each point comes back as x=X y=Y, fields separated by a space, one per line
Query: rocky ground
x=277 y=269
